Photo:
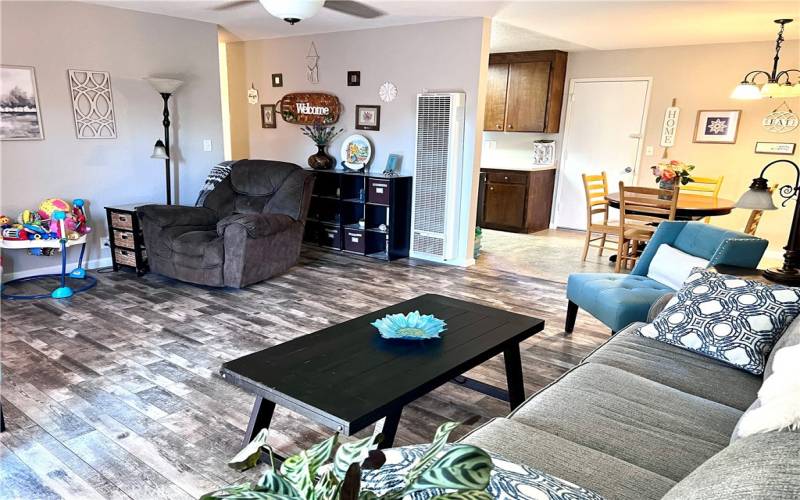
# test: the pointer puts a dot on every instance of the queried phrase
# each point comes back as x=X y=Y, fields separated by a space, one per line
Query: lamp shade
x=756 y=199
x=165 y=85
x=746 y=91
x=159 y=151
x=771 y=89
x=295 y=10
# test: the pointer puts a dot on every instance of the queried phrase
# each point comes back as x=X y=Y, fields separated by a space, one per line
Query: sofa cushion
x=557 y=456
x=615 y=299
x=671 y=267
x=727 y=318
x=678 y=368
x=789 y=338
x=761 y=466
x=645 y=423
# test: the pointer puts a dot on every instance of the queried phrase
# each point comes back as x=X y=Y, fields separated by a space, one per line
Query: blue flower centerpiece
x=411 y=326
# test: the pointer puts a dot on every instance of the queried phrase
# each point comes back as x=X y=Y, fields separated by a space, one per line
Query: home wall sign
x=312 y=64
x=670 y=127
x=781 y=120
x=310 y=108
x=92 y=105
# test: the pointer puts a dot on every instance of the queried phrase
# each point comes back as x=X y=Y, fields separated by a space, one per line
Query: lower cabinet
x=519 y=201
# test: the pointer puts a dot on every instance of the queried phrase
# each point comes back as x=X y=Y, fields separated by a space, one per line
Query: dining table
x=691 y=206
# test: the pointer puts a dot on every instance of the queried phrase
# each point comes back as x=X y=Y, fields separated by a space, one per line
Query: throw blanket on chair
x=215 y=176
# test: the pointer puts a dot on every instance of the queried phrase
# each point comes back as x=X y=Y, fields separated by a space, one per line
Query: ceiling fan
x=294 y=11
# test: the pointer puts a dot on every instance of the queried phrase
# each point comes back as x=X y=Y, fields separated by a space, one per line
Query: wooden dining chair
x=705 y=185
x=596 y=188
x=641 y=209
x=755 y=217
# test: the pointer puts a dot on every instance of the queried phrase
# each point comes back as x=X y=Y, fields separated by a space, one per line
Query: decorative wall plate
x=387 y=92
x=356 y=152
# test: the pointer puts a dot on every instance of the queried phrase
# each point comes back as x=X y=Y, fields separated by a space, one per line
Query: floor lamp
x=758 y=197
x=166 y=87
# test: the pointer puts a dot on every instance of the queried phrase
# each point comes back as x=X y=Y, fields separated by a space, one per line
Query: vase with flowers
x=322 y=136
x=669 y=173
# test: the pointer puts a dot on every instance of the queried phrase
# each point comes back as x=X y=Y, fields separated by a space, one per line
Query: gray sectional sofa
x=641 y=419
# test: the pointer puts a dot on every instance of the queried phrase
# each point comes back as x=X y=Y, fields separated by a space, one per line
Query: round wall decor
x=356 y=152
x=780 y=120
x=387 y=92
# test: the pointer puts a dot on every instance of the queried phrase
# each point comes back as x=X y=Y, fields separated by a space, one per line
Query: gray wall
x=56 y=36
x=440 y=56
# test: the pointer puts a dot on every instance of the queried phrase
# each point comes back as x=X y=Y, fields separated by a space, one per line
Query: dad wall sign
x=309 y=108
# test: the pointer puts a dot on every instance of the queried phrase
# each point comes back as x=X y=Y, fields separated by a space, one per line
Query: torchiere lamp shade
x=165 y=85
x=757 y=197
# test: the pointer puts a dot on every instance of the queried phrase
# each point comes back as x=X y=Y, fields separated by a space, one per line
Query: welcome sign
x=309 y=108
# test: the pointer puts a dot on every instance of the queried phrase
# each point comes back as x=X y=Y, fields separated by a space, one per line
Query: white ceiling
x=520 y=25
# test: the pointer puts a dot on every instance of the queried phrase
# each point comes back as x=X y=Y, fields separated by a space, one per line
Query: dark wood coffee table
x=347 y=377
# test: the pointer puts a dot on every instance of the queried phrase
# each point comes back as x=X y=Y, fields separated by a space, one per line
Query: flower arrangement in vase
x=322 y=136
x=668 y=173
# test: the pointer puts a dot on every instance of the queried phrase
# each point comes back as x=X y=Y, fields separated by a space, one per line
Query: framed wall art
x=353 y=78
x=368 y=117
x=92 y=104
x=277 y=79
x=268 y=116
x=20 y=117
x=717 y=126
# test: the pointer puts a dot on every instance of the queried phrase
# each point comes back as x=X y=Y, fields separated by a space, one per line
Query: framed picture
x=717 y=126
x=277 y=79
x=20 y=118
x=368 y=117
x=393 y=164
x=353 y=78
x=775 y=148
x=268 y=116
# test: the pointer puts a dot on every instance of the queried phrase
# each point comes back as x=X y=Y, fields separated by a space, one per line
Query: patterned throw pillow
x=508 y=480
x=730 y=319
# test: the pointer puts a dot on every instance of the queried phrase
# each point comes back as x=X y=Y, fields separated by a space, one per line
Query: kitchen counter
x=523 y=168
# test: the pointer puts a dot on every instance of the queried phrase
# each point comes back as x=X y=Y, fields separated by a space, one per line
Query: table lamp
x=166 y=87
x=758 y=197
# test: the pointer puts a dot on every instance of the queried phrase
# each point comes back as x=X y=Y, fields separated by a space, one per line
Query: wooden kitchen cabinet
x=525 y=91
x=514 y=200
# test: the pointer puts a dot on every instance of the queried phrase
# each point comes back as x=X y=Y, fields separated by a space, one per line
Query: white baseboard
x=55 y=269
x=461 y=262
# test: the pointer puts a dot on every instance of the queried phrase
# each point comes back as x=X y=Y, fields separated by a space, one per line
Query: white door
x=603 y=132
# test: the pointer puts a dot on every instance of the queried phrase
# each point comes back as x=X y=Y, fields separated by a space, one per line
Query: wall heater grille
x=440 y=139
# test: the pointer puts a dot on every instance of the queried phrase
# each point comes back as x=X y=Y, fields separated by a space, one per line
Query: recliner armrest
x=178 y=215
x=256 y=225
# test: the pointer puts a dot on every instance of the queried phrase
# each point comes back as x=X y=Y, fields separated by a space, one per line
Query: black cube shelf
x=341 y=198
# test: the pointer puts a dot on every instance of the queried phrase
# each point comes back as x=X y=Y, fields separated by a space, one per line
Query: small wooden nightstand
x=126 y=239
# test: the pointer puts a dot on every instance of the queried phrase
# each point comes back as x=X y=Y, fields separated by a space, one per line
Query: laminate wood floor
x=114 y=393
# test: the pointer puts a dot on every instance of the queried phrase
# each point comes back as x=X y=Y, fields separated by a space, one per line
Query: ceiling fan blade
x=352 y=8
x=234 y=5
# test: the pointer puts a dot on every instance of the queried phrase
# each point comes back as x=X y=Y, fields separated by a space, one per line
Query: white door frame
x=567 y=123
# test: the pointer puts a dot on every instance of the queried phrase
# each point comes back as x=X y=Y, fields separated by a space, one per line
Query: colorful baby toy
x=53 y=226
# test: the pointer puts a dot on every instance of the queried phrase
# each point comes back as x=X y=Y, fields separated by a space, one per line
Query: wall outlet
x=105 y=242
x=648 y=151
x=207 y=145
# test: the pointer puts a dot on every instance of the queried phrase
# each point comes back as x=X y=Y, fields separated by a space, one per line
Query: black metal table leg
x=260 y=418
x=390 y=428
x=516 y=385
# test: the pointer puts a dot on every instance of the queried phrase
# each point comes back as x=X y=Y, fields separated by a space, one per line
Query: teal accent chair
x=620 y=299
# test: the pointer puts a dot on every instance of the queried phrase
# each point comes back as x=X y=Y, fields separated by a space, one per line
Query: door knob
x=499 y=127
x=628 y=170
x=491 y=189
x=510 y=126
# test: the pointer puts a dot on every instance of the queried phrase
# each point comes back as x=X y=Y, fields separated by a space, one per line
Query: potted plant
x=668 y=173
x=322 y=136
x=320 y=474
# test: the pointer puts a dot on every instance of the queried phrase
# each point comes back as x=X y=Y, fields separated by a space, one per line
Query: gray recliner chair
x=249 y=228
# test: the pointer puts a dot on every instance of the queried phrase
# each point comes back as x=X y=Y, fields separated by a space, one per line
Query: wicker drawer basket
x=121 y=221
x=127 y=257
x=124 y=239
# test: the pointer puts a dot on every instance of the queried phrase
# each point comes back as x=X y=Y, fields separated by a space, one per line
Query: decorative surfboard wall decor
x=310 y=108
x=92 y=104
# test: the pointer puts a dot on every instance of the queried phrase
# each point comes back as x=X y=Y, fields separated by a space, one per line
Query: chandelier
x=778 y=83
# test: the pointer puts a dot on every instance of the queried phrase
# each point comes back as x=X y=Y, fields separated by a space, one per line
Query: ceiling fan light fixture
x=292 y=11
